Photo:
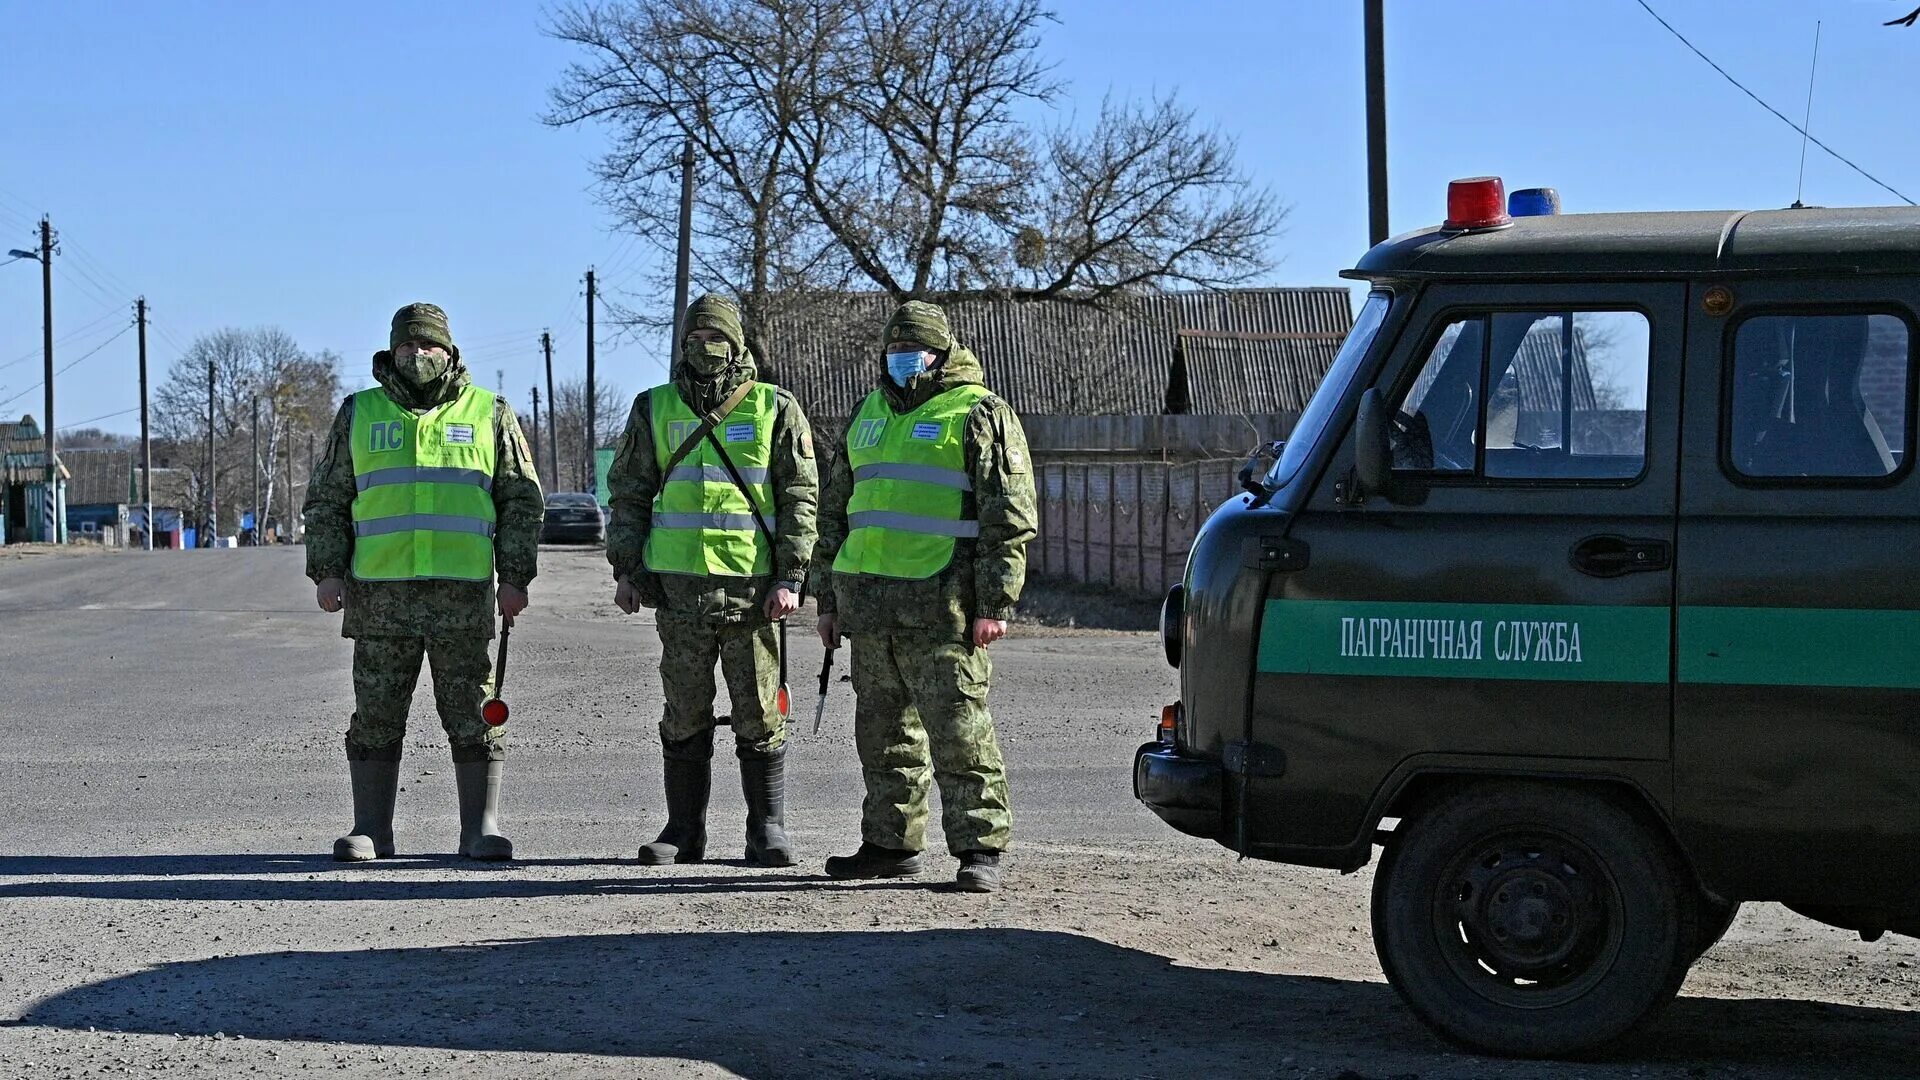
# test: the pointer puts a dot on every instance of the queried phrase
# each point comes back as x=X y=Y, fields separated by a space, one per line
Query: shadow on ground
x=935 y=1002
x=319 y=878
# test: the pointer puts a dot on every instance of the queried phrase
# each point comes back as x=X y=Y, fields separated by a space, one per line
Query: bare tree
x=297 y=392
x=880 y=144
x=735 y=77
x=610 y=409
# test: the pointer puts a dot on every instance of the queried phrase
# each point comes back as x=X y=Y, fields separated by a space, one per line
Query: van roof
x=1849 y=240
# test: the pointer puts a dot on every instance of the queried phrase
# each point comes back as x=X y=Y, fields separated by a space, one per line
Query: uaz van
x=1586 y=589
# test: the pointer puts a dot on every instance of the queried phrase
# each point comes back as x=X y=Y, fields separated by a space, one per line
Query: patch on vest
x=388 y=436
x=459 y=434
x=927 y=431
x=867 y=434
x=739 y=433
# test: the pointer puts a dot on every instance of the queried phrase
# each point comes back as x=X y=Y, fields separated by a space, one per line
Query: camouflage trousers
x=749 y=657
x=922 y=708
x=385 y=672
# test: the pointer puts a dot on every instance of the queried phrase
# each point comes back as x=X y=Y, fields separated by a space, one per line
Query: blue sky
x=314 y=166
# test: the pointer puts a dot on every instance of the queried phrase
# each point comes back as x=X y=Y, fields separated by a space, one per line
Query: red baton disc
x=494 y=712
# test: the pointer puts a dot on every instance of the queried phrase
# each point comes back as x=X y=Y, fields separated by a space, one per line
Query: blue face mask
x=902 y=366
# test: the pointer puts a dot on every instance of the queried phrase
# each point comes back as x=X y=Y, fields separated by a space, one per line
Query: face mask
x=903 y=366
x=423 y=368
x=707 y=358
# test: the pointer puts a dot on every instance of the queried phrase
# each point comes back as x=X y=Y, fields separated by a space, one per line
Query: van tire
x=1533 y=919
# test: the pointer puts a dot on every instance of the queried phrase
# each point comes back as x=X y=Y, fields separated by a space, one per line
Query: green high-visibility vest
x=910 y=485
x=425 y=504
x=701 y=522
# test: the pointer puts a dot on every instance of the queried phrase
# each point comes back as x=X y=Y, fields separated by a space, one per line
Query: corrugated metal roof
x=100 y=477
x=1227 y=375
x=23 y=453
x=1067 y=359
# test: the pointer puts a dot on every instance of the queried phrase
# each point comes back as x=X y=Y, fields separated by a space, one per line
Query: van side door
x=1797 y=712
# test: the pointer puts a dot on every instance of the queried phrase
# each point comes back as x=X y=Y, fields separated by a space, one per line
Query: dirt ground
x=171 y=781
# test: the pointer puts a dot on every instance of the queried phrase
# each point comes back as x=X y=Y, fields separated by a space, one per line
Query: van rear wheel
x=1532 y=920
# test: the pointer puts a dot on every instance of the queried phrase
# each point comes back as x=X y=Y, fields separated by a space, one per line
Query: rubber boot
x=478 y=783
x=763 y=779
x=874 y=861
x=375 y=784
x=688 y=768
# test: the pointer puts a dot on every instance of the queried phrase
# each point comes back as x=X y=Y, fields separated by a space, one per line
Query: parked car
x=1580 y=592
x=573 y=517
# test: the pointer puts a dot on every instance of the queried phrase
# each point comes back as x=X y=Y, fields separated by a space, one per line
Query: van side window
x=1530 y=396
x=1820 y=397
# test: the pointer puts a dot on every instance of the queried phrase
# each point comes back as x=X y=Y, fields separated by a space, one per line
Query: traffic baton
x=494 y=712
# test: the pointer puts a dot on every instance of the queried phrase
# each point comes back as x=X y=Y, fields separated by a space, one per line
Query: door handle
x=1611 y=556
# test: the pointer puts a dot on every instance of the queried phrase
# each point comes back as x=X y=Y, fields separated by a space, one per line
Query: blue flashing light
x=1533 y=202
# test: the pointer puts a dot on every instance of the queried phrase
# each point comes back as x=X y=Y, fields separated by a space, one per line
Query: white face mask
x=903 y=366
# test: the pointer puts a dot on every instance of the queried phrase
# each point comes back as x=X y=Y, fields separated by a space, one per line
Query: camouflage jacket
x=423 y=608
x=634 y=479
x=986 y=575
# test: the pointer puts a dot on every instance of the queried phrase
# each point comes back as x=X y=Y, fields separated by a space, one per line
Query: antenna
x=1805 y=134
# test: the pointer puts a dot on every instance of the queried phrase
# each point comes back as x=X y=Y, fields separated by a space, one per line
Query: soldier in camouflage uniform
x=409 y=591
x=925 y=523
x=685 y=544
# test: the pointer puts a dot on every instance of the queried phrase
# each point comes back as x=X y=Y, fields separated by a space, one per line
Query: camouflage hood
x=419 y=398
x=704 y=393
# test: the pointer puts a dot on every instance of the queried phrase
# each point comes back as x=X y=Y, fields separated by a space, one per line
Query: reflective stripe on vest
x=910 y=486
x=424 y=508
x=701 y=523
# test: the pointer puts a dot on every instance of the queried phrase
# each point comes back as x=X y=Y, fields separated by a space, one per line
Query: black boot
x=688 y=767
x=874 y=861
x=763 y=779
x=979 y=872
x=375 y=784
x=478 y=783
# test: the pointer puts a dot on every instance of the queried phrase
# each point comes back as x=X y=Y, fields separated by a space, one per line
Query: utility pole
x=146 y=437
x=213 y=466
x=536 y=431
x=1376 y=122
x=51 y=517
x=553 y=429
x=588 y=486
x=683 y=253
x=286 y=526
x=259 y=525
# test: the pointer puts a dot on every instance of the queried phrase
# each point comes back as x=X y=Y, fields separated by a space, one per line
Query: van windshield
x=1307 y=430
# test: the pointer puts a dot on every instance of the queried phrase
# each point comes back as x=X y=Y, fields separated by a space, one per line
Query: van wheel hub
x=1526 y=914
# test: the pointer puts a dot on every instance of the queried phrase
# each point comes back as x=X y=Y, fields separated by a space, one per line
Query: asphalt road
x=171 y=780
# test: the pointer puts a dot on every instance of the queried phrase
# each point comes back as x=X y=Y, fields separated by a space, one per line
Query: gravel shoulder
x=171 y=780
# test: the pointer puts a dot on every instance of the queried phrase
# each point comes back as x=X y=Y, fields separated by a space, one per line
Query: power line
x=1776 y=112
x=69 y=336
x=69 y=367
x=102 y=416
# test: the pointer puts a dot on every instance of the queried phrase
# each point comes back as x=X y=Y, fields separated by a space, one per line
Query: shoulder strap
x=707 y=424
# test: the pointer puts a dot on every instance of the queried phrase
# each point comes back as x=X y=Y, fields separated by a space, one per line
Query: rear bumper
x=1187 y=792
x=585 y=533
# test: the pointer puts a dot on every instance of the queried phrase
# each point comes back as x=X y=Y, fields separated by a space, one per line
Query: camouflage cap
x=917 y=320
x=421 y=322
x=716 y=312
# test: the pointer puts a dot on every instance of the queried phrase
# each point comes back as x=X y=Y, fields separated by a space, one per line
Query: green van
x=1580 y=589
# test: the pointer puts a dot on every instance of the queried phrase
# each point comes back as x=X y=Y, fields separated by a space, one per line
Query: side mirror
x=1373 y=437
x=1373 y=446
